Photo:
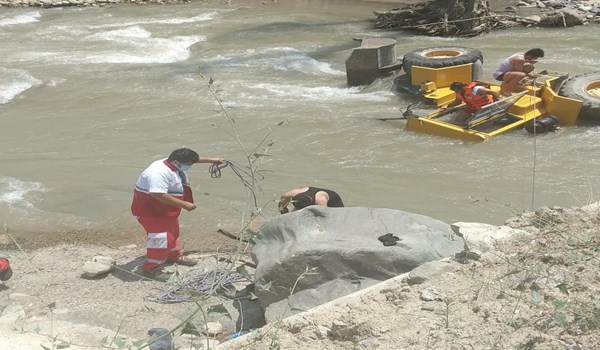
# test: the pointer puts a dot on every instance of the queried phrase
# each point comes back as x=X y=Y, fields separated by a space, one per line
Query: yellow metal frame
x=539 y=101
x=564 y=108
x=435 y=82
x=440 y=128
x=442 y=77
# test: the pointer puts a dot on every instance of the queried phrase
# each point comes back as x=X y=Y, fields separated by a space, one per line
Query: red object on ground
x=5 y=270
x=4 y=264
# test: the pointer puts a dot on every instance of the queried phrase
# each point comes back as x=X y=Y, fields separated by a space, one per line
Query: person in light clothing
x=161 y=191
x=515 y=67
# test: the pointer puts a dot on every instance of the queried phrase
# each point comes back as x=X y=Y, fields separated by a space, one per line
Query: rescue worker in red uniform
x=474 y=95
x=161 y=191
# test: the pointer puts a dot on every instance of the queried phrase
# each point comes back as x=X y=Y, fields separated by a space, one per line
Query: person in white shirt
x=161 y=191
x=514 y=68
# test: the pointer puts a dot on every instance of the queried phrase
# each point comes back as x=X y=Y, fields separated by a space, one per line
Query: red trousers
x=162 y=243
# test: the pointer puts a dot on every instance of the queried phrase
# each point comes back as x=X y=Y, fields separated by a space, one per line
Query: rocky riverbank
x=534 y=290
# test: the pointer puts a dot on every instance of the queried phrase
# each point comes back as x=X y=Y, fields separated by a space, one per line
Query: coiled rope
x=238 y=169
x=247 y=177
x=204 y=283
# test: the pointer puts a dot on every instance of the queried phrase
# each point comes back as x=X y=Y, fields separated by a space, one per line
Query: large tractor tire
x=444 y=56
x=584 y=87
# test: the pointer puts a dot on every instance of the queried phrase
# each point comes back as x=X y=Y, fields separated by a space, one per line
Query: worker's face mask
x=184 y=167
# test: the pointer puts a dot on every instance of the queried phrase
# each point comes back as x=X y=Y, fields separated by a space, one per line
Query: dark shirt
x=304 y=199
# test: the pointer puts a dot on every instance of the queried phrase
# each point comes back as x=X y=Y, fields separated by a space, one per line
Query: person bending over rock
x=306 y=196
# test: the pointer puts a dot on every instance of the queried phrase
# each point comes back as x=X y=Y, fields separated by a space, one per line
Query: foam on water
x=126 y=45
x=122 y=35
x=10 y=19
x=315 y=93
x=20 y=199
x=72 y=31
x=13 y=82
x=126 y=41
x=55 y=82
x=142 y=47
x=176 y=20
x=153 y=50
x=13 y=192
x=279 y=58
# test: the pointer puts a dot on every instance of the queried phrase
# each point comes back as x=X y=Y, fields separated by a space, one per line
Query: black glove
x=388 y=239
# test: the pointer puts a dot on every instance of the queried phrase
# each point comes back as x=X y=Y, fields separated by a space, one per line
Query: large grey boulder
x=341 y=244
x=309 y=298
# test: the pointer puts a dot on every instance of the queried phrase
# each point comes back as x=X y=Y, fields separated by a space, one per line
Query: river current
x=90 y=96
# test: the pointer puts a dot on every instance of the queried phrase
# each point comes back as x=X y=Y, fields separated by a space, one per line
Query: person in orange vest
x=161 y=191
x=474 y=95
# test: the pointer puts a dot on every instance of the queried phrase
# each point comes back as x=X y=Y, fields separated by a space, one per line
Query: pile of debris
x=464 y=18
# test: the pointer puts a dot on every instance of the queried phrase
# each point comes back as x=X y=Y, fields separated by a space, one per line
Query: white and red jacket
x=160 y=177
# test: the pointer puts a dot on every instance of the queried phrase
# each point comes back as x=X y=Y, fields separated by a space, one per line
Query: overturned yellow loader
x=532 y=100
